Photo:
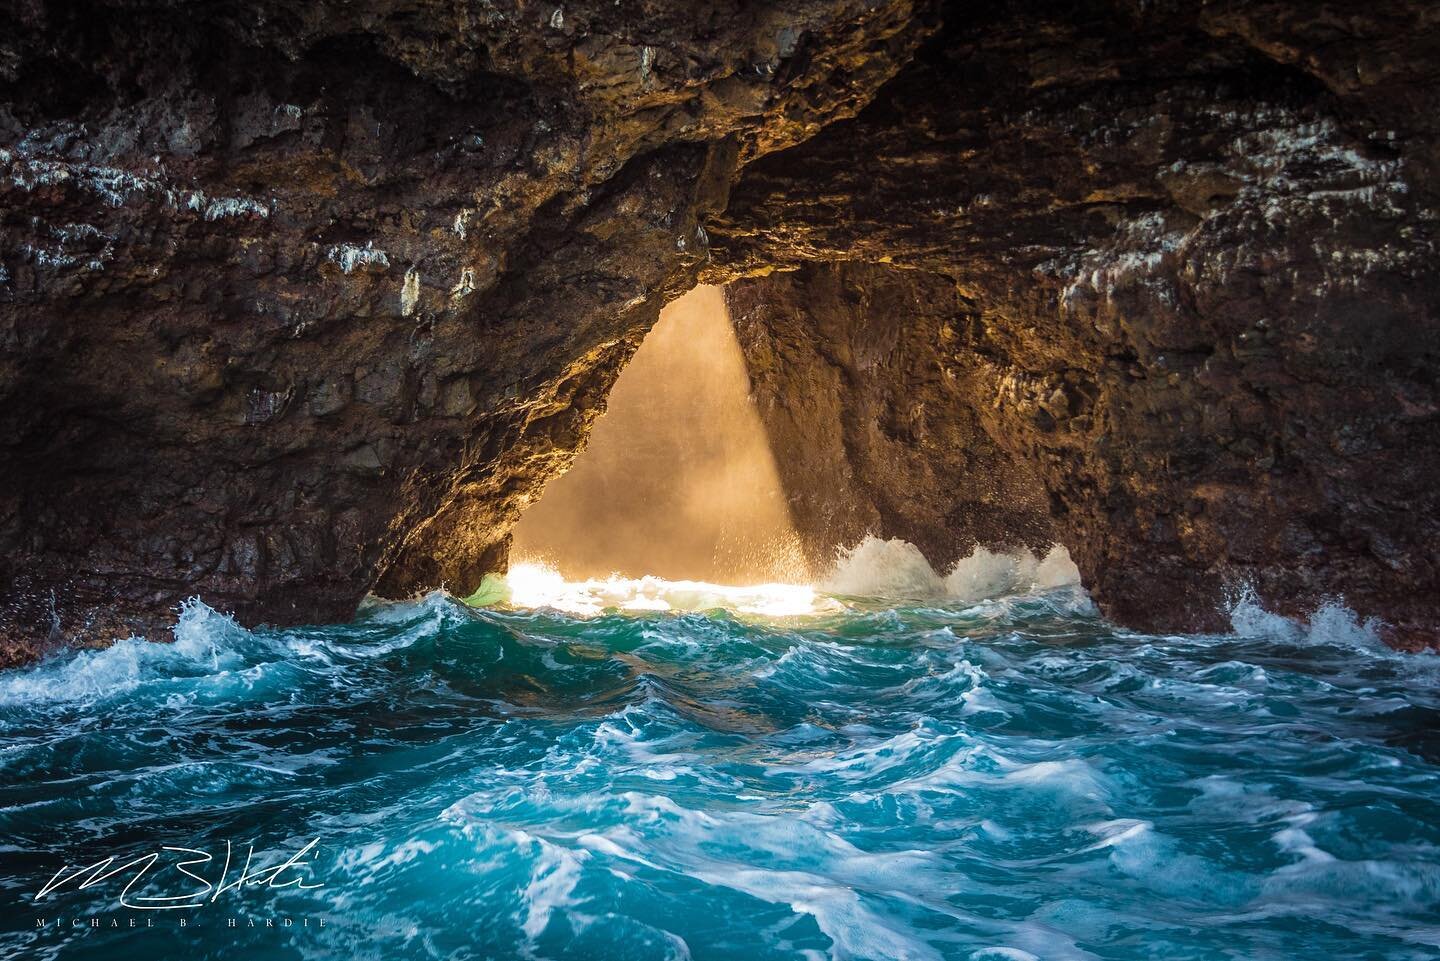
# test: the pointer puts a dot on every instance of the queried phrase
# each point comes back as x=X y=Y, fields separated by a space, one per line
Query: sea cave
x=876 y=407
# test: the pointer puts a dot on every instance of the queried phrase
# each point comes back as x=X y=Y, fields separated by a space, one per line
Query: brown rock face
x=875 y=426
x=1193 y=268
x=299 y=301
x=302 y=301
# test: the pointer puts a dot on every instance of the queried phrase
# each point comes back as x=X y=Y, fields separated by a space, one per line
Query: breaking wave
x=896 y=569
x=1330 y=623
x=874 y=569
x=896 y=764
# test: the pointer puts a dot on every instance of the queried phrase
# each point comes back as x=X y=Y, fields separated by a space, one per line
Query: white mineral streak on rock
x=351 y=258
x=236 y=207
x=115 y=187
x=466 y=286
x=1139 y=248
x=1286 y=168
x=410 y=292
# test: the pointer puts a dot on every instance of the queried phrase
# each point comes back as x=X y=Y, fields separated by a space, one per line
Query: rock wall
x=300 y=301
x=875 y=427
x=1195 y=247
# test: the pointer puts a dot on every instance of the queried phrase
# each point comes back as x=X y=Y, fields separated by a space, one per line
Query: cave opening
x=701 y=474
x=678 y=480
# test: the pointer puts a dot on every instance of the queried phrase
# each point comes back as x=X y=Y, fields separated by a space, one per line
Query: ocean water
x=983 y=769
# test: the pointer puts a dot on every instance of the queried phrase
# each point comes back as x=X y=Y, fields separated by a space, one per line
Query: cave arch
x=1184 y=254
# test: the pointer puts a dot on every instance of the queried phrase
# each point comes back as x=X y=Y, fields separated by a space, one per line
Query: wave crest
x=895 y=568
x=1332 y=624
x=206 y=641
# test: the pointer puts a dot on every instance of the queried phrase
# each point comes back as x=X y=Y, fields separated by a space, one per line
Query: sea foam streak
x=874 y=568
x=896 y=569
x=536 y=585
x=756 y=774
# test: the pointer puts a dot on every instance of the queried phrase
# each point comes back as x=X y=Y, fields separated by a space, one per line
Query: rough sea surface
x=1002 y=779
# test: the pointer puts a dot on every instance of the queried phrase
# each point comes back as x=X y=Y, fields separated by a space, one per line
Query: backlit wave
x=531 y=584
x=940 y=781
x=874 y=568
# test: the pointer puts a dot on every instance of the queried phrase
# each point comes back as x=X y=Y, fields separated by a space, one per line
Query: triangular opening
x=678 y=479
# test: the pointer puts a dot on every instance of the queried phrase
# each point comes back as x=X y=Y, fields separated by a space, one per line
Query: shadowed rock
x=304 y=301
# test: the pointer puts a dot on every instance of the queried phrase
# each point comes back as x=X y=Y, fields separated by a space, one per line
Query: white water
x=1331 y=623
x=948 y=780
x=537 y=585
x=207 y=642
x=874 y=568
x=896 y=569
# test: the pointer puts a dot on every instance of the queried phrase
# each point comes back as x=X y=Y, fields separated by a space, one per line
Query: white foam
x=432 y=611
x=896 y=569
x=1332 y=623
x=786 y=860
x=535 y=585
x=884 y=568
x=1159 y=863
x=553 y=878
x=892 y=569
x=205 y=641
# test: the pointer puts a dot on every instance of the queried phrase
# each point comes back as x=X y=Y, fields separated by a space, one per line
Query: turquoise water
x=998 y=780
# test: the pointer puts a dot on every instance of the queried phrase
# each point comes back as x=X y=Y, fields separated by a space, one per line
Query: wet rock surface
x=1194 y=260
x=874 y=424
x=304 y=301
